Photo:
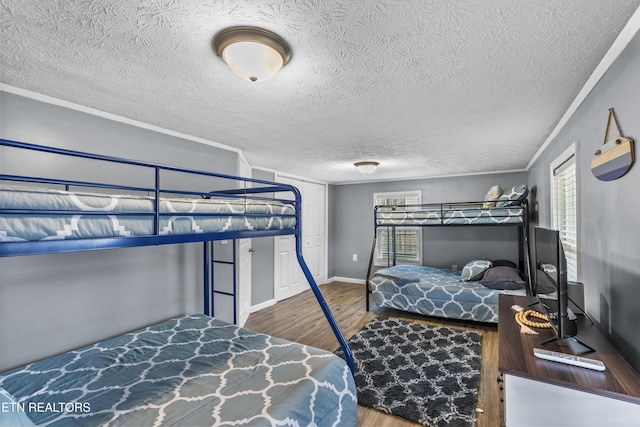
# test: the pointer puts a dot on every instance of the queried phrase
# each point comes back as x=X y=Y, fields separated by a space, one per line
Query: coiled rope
x=522 y=318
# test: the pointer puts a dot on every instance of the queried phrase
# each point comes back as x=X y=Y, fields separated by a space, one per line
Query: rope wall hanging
x=523 y=319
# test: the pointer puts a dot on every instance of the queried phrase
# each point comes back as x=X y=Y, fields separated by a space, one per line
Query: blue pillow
x=474 y=270
x=513 y=197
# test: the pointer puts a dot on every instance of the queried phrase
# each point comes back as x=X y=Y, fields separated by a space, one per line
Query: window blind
x=565 y=203
x=408 y=240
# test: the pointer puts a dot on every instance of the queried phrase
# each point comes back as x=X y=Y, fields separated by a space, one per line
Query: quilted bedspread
x=435 y=292
x=187 y=371
x=178 y=215
x=437 y=216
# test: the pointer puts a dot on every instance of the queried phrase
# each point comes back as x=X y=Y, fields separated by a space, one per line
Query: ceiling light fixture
x=252 y=53
x=366 y=167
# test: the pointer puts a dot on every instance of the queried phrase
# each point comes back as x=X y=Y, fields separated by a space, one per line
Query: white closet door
x=287 y=272
x=289 y=279
x=288 y=275
x=313 y=233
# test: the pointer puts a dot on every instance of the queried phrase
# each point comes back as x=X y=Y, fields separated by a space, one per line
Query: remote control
x=569 y=359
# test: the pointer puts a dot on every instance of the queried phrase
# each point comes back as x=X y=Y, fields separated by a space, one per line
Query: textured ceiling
x=427 y=88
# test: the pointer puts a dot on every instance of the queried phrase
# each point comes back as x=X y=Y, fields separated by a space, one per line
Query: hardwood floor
x=300 y=319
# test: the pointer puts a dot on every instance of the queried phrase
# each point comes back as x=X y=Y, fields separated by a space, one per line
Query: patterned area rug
x=427 y=374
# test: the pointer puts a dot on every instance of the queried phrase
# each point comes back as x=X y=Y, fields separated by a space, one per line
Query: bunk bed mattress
x=190 y=370
x=435 y=292
x=178 y=215
x=510 y=215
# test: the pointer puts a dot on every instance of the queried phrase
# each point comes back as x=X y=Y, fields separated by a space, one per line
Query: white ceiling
x=427 y=88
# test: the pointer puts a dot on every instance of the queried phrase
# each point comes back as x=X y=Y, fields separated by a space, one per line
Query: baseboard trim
x=273 y=301
x=262 y=305
x=347 y=280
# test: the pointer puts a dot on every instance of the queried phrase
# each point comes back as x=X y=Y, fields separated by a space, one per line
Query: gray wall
x=51 y=303
x=351 y=223
x=608 y=215
x=262 y=259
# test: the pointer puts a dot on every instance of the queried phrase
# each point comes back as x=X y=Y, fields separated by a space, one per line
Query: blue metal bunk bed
x=442 y=292
x=152 y=215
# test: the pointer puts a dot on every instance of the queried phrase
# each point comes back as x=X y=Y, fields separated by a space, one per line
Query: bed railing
x=250 y=188
x=455 y=214
x=449 y=214
x=239 y=188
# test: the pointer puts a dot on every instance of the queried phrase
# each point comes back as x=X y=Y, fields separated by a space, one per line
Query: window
x=408 y=240
x=564 y=205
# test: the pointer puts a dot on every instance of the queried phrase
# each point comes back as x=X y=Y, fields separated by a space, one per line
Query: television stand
x=570 y=325
x=573 y=344
x=540 y=392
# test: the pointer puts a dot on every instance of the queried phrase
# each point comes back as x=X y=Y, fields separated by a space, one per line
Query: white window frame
x=381 y=258
x=558 y=211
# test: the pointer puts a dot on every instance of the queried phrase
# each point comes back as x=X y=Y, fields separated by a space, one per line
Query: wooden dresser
x=541 y=393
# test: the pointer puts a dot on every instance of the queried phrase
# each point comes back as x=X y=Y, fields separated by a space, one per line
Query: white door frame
x=243 y=257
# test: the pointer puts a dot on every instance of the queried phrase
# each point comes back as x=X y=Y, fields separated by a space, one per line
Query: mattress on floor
x=436 y=292
x=187 y=371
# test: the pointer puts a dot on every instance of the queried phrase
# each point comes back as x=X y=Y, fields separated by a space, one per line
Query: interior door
x=243 y=265
x=314 y=230
x=244 y=280
x=287 y=272
x=289 y=279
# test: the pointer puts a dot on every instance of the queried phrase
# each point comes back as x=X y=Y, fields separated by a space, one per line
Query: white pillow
x=492 y=196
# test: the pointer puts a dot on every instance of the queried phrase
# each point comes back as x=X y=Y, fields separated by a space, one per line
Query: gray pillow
x=513 y=197
x=474 y=270
x=545 y=282
x=503 y=262
x=503 y=277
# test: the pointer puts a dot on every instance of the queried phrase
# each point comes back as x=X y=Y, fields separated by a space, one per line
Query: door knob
x=251 y=250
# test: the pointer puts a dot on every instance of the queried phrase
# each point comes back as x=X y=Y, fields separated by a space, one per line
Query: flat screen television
x=550 y=280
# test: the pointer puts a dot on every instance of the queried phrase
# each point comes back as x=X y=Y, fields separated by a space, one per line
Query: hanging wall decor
x=616 y=156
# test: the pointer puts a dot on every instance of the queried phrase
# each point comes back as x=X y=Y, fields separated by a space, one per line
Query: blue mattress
x=190 y=370
x=435 y=292
x=128 y=215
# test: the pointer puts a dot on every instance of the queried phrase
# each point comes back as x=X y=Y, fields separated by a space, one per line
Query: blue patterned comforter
x=178 y=215
x=188 y=371
x=436 y=215
x=435 y=292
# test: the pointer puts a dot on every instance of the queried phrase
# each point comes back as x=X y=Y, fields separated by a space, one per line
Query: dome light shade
x=366 y=167
x=252 y=53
